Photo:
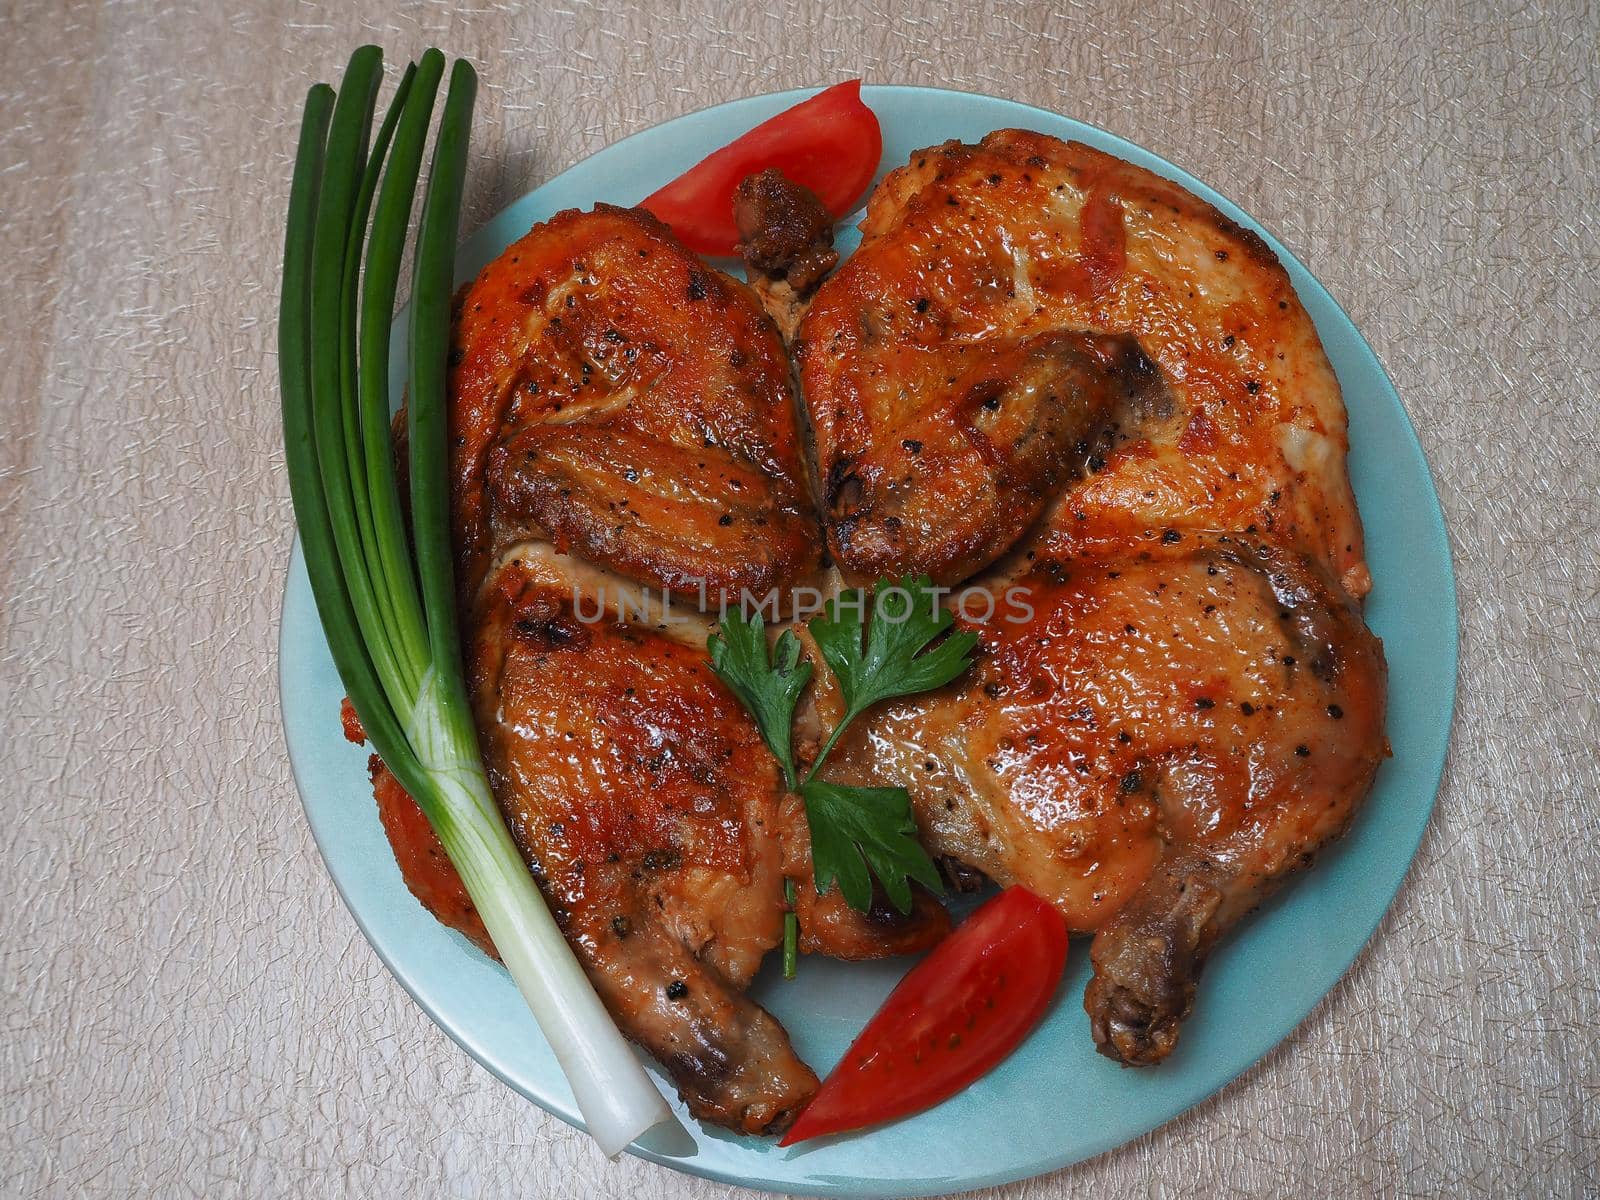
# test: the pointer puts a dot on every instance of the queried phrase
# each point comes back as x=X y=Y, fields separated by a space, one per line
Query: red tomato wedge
x=831 y=143
x=953 y=1018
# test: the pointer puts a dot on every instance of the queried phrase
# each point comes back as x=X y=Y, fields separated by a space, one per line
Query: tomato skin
x=955 y=1016
x=830 y=143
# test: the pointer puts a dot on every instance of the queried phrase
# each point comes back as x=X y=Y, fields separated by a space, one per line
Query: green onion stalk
x=386 y=595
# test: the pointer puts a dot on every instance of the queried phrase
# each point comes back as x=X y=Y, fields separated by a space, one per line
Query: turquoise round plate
x=1055 y=1101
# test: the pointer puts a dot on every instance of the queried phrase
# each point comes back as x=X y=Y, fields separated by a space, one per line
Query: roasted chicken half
x=1082 y=390
x=622 y=423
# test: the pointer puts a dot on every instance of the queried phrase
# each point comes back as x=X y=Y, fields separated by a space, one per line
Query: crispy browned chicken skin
x=630 y=404
x=614 y=397
x=648 y=808
x=1193 y=706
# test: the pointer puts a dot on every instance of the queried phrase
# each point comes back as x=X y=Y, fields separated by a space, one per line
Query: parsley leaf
x=856 y=832
x=894 y=659
x=769 y=687
x=857 y=829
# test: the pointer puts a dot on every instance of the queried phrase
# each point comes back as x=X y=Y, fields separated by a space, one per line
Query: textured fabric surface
x=186 y=1008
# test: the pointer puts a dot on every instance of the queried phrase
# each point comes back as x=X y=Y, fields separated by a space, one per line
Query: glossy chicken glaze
x=615 y=395
x=1202 y=711
x=978 y=251
x=655 y=821
x=1191 y=705
x=647 y=805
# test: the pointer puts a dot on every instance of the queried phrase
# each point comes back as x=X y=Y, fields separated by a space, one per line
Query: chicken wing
x=1179 y=703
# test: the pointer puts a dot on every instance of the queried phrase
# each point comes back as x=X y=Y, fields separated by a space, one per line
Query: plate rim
x=1435 y=754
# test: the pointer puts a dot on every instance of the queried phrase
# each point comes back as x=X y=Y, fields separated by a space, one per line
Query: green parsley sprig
x=898 y=645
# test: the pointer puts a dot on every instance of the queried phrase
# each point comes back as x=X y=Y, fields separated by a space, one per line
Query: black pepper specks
x=677 y=990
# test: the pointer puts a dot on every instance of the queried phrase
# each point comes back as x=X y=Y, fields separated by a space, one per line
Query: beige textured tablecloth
x=188 y=1010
